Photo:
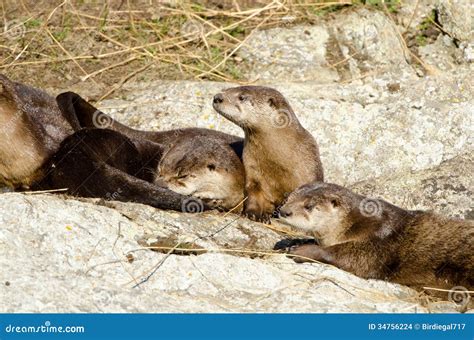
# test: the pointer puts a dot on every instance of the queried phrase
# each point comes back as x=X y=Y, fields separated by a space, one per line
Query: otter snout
x=285 y=213
x=218 y=98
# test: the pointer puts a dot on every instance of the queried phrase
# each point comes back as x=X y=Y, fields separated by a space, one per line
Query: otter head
x=335 y=214
x=254 y=107
x=321 y=209
x=204 y=169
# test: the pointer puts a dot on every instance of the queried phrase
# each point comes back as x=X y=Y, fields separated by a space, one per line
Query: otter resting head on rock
x=279 y=154
x=375 y=239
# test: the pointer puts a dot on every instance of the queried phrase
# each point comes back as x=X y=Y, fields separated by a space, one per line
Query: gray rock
x=442 y=54
x=298 y=53
x=447 y=189
x=349 y=46
x=62 y=255
x=456 y=17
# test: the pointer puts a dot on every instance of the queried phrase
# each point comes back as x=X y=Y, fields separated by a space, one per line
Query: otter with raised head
x=279 y=155
x=374 y=239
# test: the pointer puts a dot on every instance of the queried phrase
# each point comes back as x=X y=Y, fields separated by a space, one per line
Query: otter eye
x=308 y=206
x=335 y=203
x=242 y=98
x=182 y=177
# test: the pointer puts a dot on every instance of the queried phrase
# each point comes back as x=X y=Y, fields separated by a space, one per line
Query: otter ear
x=272 y=103
x=335 y=202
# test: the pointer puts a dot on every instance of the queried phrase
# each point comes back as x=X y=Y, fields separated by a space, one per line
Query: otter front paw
x=308 y=253
x=213 y=203
x=287 y=243
x=258 y=216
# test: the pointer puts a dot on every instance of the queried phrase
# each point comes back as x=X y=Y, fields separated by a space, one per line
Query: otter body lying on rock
x=377 y=240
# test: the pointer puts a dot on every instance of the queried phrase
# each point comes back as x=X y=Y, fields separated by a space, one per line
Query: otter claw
x=262 y=218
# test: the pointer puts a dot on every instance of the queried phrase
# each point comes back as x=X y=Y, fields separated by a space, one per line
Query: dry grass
x=104 y=44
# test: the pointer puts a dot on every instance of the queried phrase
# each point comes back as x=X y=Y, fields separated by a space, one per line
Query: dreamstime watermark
x=370 y=207
x=192 y=205
x=14 y=29
x=46 y=328
x=101 y=120
x=281 y=119
x=459 y=295
x=113 y=196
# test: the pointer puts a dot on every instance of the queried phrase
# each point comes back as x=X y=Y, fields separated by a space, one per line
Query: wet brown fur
x=279 y=154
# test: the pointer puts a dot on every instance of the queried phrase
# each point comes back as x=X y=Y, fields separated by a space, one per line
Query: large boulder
x=352 y=45
x=63 y=255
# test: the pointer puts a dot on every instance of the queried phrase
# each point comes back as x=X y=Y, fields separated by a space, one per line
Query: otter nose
x=285 y=213
x=218 y=98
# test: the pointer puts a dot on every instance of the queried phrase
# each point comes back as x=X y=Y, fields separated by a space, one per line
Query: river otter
x=279 y=154
x=375 y=239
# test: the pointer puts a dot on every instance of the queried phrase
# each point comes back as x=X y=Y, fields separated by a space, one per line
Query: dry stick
x=260 y=10
x=97 y=18
x=216 y=29
x=222 y=250
x=119 y=233
x=234 y=208
x=171 y=41
x=325 y=4
x=43 y=191
x=143 y=47
x=172 y=249
x=148 y=53
x=343 y=60
x=412 y=15
x=428 y=68
x=130 y=16
x=449 y=290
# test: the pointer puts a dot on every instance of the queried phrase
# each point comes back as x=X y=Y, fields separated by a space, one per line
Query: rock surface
x=456 y=16
x=62 y=255
x=347 y=47
x=447 y=189
x=382 y=131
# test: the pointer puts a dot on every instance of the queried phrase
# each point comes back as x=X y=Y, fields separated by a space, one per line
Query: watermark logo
x=14 y=29
x=459 y=295
x=192 y=29
x=113 y=196
x=101 y=120
x=370 y=207
x=281 y=119
x=192 y=205
x=46 y=328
